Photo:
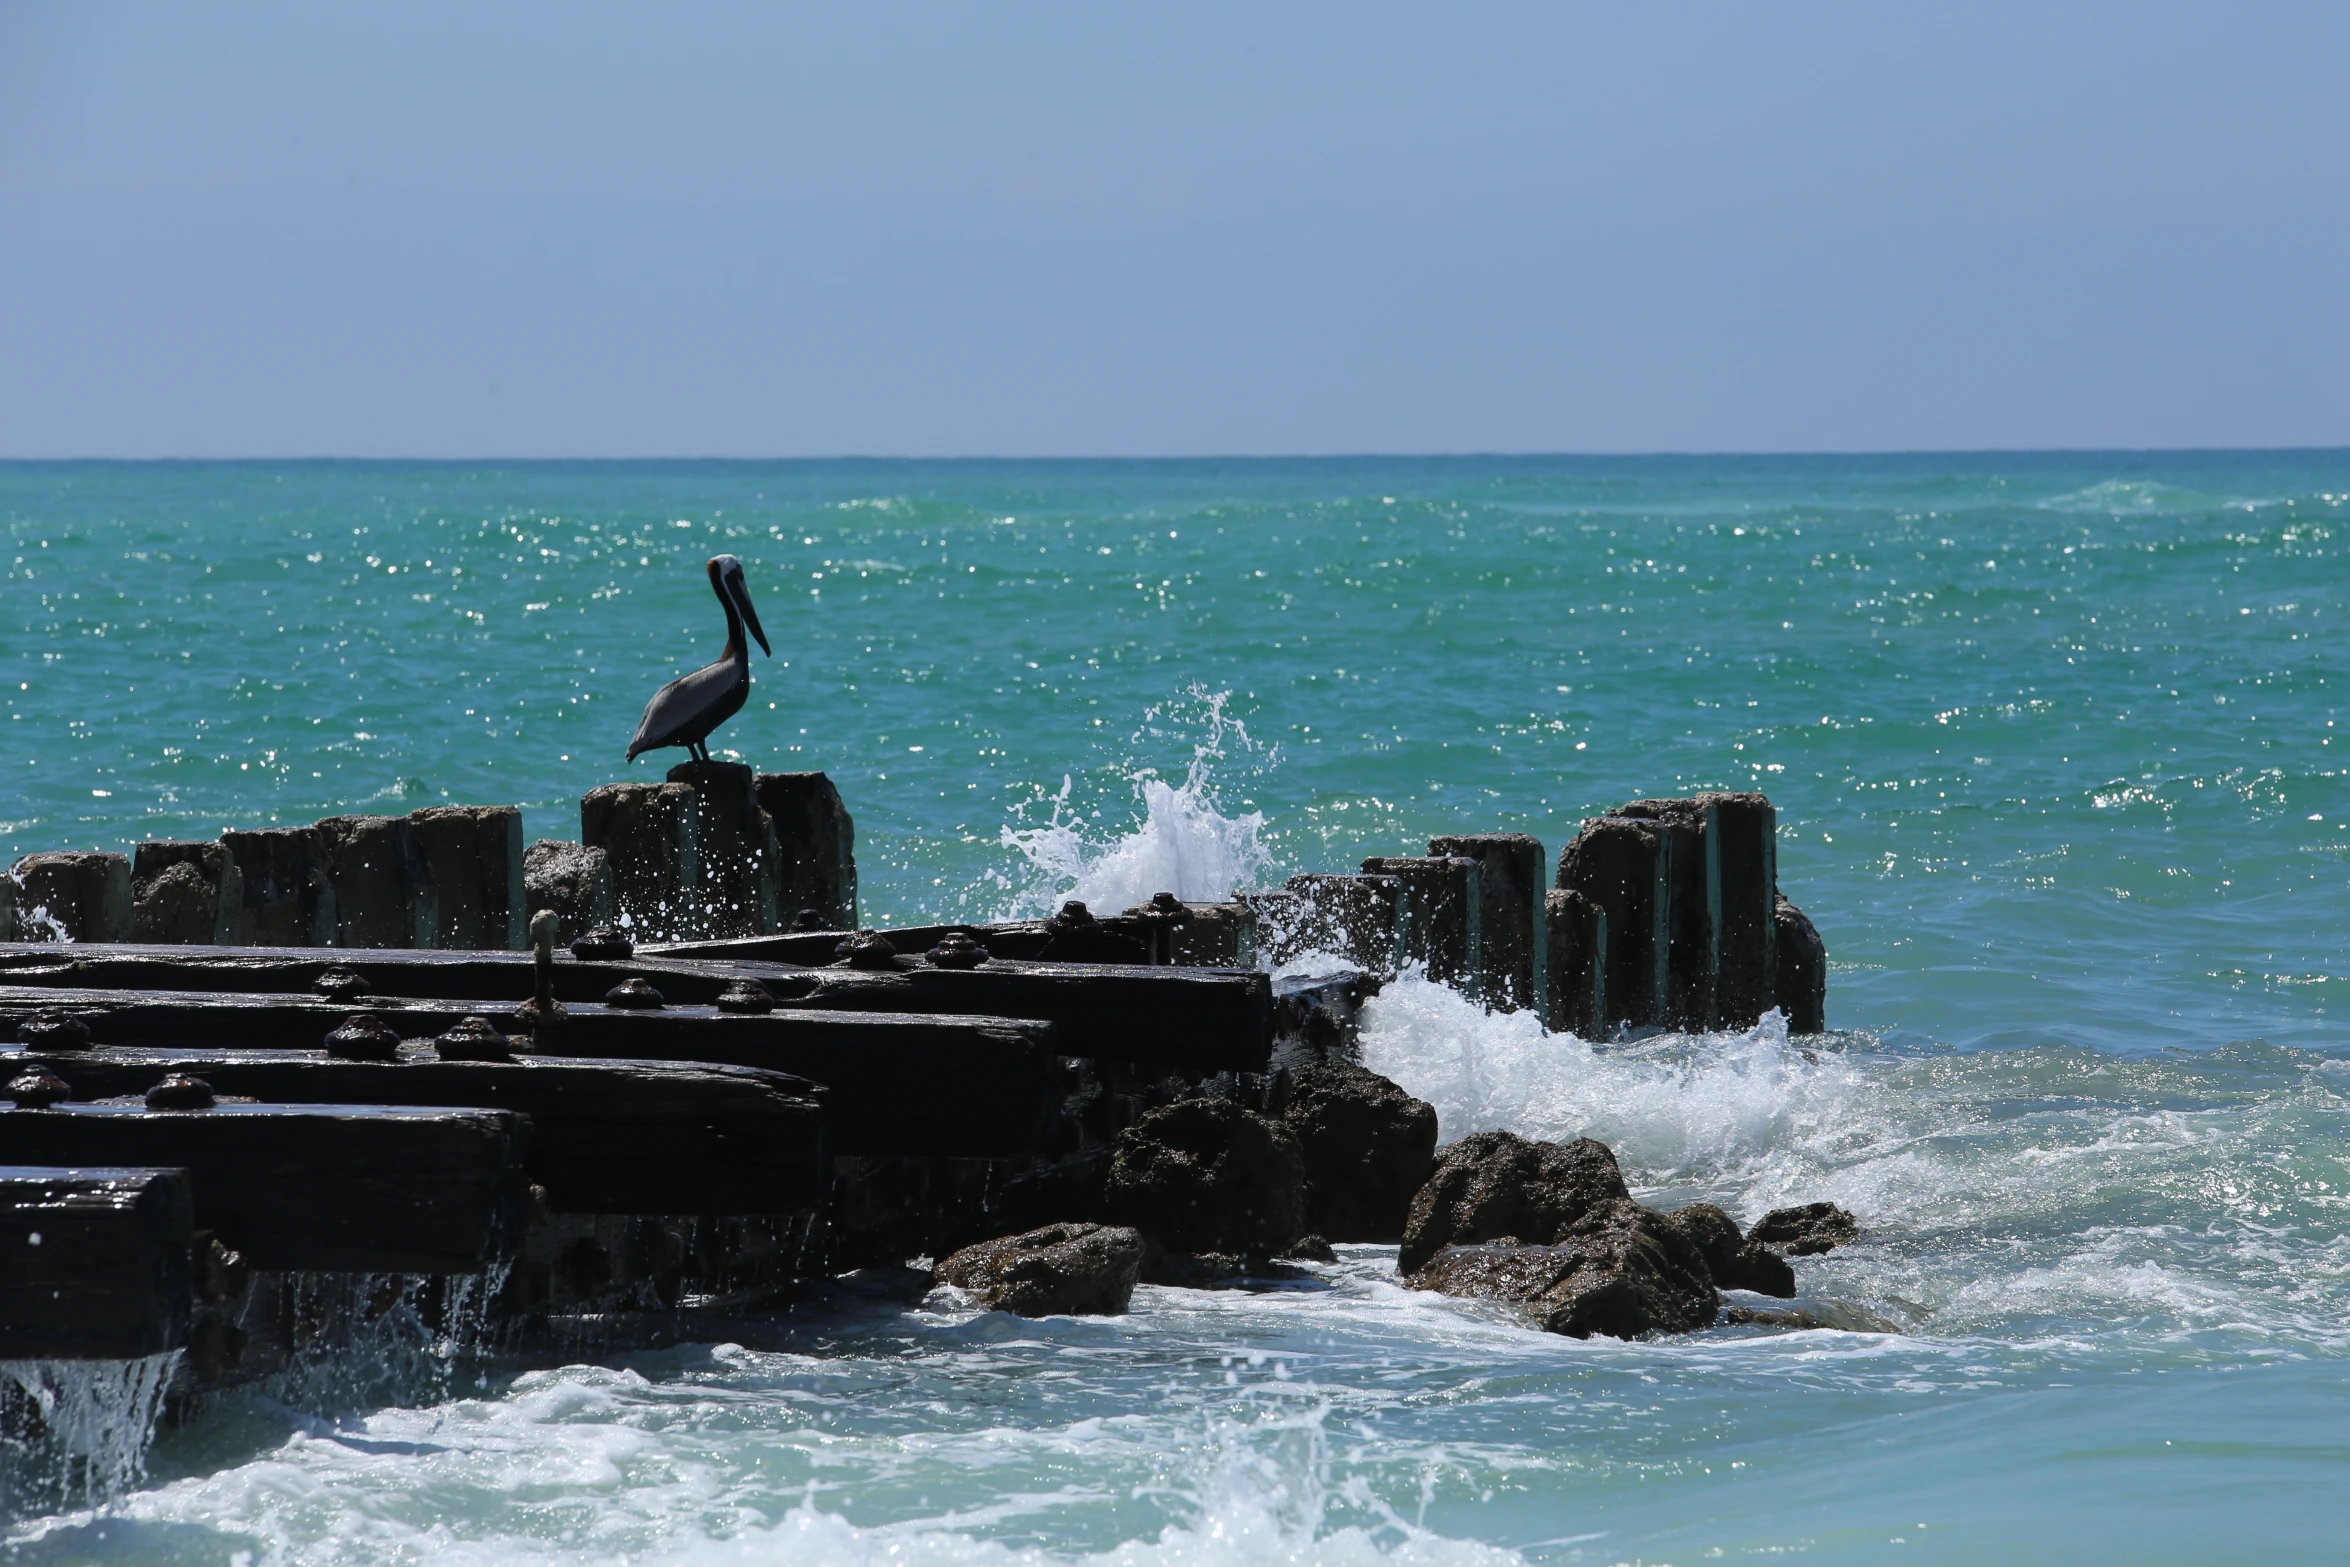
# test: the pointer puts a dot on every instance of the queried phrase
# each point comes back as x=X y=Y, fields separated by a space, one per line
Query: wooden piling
x=1746 y=827
x=186 y=893
x=738 y=884
x=1512 y=868
x=818 y=846
x=1575 y=953
x=652 y=833
x=289 y=900
x=1624 y=866
x=88 y=895
x=384 y=892
x=473 y=856
x=1692 y=907
x=572 y=880
x=1443 y=908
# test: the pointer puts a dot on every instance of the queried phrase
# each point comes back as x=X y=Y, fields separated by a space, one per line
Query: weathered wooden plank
x=318 y=1188
x=93 y=1262
x=977 y=1087
x=1216 y=1020
x=613 y=1136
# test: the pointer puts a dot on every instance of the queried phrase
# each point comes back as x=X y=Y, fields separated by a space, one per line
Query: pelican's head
x=726 y=577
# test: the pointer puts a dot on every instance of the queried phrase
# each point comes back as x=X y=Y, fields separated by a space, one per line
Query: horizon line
x=1226 y=457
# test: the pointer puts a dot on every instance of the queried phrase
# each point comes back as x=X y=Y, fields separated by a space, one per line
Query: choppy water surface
x=2053 y=741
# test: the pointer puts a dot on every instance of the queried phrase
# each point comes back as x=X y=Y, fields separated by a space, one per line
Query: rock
x=1806 y=1231
x=1735 y=1262
x=573 y=880
x=1368 y=1149
x=1193 y=1270
x=86 y=896
x=1205 y=1175
x=818 y=842
x=473 y=857
x=186 y=893
x=1802 y=988
x=1495 y=1184
x=1310 y=1248
x=1622 y=1272
x=1059 y=1269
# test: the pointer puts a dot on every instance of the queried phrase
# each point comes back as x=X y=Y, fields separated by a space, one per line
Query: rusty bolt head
x=867 y=949
x=746 y=995
x=634 y=995
x=180 y=1092
x=473 y=1039
x=341 y=984
x=55 y=1031
x=957 y=949
x=1073 y=916
x=1164 y=909
x=603 y=945
x=364 y=1037
x=38 y=1090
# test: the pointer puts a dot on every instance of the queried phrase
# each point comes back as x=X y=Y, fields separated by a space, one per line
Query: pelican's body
x=686 y=710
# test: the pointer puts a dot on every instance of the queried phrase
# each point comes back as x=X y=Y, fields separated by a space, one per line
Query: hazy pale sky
x=769 y=230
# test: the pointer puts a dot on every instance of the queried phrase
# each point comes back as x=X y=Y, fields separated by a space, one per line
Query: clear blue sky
x=495 y=229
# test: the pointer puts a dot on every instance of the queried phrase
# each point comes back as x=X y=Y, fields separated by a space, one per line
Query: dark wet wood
x=1185 y=1018
x=93 y=1262
x=974 y=1087
x=315 y=1188
x=605 y=1136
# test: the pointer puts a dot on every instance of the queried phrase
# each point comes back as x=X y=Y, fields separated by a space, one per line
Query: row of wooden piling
x=716 y=851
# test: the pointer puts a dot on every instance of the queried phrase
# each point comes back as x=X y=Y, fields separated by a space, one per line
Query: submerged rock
x=1735 y=1262
x=1059 y=1269
x=1368 y=1148
x=1623 y=1272
x=1495 y=1184
x=1207 y=1176
x=1806 y=1231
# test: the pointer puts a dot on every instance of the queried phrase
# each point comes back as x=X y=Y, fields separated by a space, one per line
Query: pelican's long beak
x=742 y=601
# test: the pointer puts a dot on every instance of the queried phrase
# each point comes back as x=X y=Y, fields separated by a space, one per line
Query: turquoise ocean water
x=2054 y=744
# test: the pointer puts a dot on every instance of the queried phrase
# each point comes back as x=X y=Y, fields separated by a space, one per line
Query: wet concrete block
x=1575 y=953
x=818 y=841
x=93 y=1262
x=384 y=894
x=87 y=896
x=653 y=834
x=572 y=879
x=1220 y=935
x=1624 y=866
x=1802 y=986
x=1746 y=828
x=1443 y=902
x=473 y=858
x=740 y=887
x=186 y=893
x=289 y=899
x=1512 y=868
x=1693 y=915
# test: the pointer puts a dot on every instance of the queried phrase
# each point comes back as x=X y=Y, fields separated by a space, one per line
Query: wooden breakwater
x=328 y=1089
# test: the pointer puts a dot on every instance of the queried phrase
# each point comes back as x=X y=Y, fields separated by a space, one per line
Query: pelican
x=684 y=711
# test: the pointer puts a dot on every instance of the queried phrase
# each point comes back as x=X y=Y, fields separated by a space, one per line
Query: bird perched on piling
x=684 y=711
